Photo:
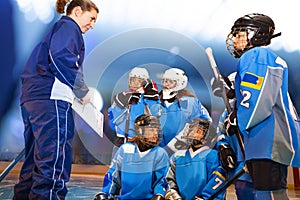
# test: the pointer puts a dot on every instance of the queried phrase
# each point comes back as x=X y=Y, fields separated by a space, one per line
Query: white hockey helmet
x=135 y=74
x=139 y=72
x=177 y=75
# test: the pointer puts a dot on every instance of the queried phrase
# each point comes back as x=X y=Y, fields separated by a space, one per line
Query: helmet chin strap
x=143 y=146
x=168 y=94
x=196 y=146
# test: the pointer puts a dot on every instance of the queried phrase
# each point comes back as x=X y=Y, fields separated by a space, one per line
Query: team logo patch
x=252 y=81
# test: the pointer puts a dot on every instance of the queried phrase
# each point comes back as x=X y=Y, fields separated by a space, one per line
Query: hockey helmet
x=178 y=76
x=197 y=132
x=148 y=130
x=258 y=30
x=137 y=73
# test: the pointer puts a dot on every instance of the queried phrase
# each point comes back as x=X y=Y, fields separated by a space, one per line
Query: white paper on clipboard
x=90 y=114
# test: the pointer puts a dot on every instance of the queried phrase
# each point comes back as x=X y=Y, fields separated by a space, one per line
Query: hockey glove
x=150 y=90
x=220 y=84
x=227 y=156
x=197 y=198
x=230 y=124
x=172 y=194
x=158 y=197
x=179 y=144
x=118 y=141
x=102 y=196
x=125 y=98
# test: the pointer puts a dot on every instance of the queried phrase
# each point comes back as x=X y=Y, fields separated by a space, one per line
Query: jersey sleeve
x=115 y=187
x=258 y=86
x=162 y=165
x=117 y=117
x=216 y=177
x=171 y=174
x=66 y=53
x=222 y=138
x=198 y=110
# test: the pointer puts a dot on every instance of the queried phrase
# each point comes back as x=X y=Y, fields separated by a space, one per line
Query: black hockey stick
x=228 y=183
x=12 y=165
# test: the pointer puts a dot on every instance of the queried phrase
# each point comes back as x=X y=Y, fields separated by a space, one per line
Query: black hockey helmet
x=142 y=127
x=197 y=132
x=259 y=28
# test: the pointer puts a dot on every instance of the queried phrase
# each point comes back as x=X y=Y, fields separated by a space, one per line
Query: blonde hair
x=86 y=5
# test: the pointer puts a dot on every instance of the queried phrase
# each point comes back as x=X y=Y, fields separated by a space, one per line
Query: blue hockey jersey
x=118 y=116
x=180 y=112
x=266 y=116
x=139 y=175
x=196 y=173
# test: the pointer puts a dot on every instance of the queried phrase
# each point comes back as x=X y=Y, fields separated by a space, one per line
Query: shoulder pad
x=180 y=153
x=128 y=148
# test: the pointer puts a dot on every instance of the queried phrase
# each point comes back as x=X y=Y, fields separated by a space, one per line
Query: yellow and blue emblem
x=252 y=81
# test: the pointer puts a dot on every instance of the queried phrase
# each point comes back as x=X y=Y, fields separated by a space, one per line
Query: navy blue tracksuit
x=51 y=77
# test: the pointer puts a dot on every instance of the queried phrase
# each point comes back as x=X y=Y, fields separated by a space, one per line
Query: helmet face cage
x=150 y=136
x=259 y=31
x=175 y=75
x=197 y=132
x=147 y=128
x=238 y=40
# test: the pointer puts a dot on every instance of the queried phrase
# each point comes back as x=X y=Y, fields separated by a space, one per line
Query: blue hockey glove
x=230 y=124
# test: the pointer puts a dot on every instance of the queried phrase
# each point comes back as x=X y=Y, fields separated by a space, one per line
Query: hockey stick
x=213 y=64
x=228 y=183
x=217 y=75
x=127 y=123
x=12 y=165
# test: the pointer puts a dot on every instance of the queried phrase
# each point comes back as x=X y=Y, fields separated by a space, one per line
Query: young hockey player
x=265 y=115
x=142 y=97
x=140 y=165
x=195 y=173
x=180 y=107
x=129 y=104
